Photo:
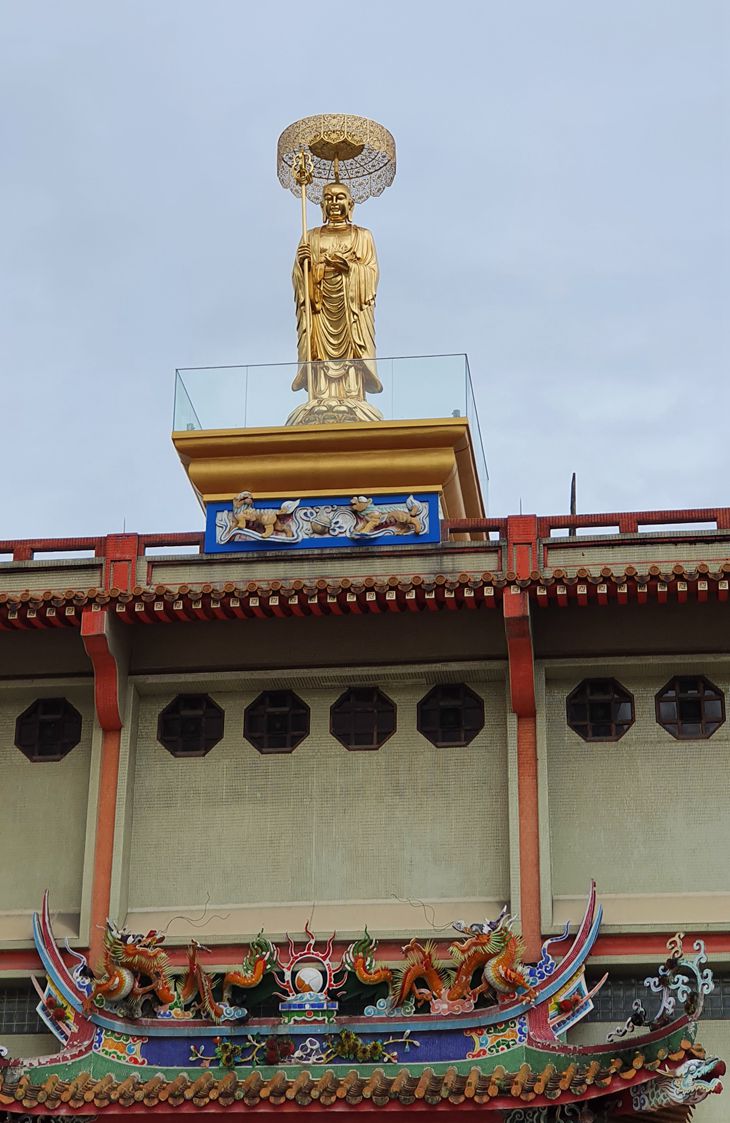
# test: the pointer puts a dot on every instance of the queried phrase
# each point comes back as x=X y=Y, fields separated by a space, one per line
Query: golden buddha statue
x=336 y=325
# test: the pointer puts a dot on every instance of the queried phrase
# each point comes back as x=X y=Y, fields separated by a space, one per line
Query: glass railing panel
x=184 y=416
x=428 y=386
x=217 y=394
x=476 y=433
x=270 y=398
x=415 y=388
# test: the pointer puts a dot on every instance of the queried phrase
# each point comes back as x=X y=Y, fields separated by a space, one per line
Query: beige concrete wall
x=29 y=1044
x=264 y=837
x=642 y=554
x=35 y=653
x=58 y=574
x=43 y=824
x=645 y=816
x=616 y=630
x=319 y=641
x=450 y=558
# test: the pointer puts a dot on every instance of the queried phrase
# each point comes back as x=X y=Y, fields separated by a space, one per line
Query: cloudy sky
x=561 y=213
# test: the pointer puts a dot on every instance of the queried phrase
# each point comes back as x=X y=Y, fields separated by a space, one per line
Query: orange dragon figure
x=420 y=965
x=128 y=960
x=359 y=958
x=262 y=957
x=496 y=949
x=197 y=984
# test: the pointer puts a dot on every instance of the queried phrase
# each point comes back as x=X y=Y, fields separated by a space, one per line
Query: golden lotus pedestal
x=381 y=458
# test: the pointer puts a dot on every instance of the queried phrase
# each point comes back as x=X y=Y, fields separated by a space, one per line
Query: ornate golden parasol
x=355 y=150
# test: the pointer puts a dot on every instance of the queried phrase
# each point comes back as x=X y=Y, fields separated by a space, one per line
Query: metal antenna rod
x=572 y=533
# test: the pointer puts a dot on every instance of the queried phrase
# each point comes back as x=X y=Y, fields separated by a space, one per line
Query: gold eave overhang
x=368 y=458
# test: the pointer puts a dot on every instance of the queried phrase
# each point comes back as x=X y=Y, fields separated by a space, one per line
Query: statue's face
x=337 y=203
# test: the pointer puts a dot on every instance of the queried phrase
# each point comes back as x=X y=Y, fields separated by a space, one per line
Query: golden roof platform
x=428 y=439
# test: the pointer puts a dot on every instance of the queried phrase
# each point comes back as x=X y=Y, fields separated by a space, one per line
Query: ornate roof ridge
x=380 y=1086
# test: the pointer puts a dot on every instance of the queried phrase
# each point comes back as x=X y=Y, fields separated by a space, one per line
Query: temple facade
x=395 y=737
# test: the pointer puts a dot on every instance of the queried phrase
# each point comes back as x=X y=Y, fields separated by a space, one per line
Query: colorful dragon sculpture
x=420 y=965
x=493 y=948
x=359 y=958
x=136 y=967
x=262 y=957
x=128 y=960
x=498 y=951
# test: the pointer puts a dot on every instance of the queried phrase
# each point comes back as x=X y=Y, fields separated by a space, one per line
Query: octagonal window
x=363 y=718
x=600 y=709
x=191 y=725
x=276 y=722
x=48 y=729
x=690 y=707
x=450 y=715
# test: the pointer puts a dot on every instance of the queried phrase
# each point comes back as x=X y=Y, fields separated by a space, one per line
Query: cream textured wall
x=644 y=815
x=59 y=651
x=321 y=823
x=29 y=1044
x=43 y=824
x=61 y=574
x=614 y=630
x=451 y=558
x=312 y=641
x=640 y=554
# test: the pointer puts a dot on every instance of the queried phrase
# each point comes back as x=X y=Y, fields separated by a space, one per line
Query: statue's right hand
x=304 y=253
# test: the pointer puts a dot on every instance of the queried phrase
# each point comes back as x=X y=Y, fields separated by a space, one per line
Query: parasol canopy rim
x=364 y=149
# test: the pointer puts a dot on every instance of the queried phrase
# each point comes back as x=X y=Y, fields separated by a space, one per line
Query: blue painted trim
x=169 y=1028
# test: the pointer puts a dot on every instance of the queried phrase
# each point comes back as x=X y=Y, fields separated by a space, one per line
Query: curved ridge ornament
x=682 y=979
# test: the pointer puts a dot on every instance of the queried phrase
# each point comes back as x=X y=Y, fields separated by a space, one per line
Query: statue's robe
x=343 y=317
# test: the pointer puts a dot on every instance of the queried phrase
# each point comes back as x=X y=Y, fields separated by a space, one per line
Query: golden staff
x=303 y=173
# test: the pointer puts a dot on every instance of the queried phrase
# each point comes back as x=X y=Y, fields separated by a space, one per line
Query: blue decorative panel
x=245 y=523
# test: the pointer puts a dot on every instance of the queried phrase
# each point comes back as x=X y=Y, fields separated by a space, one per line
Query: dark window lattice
x=450 y=715
x=615 y=998
x=276 y=722
x=17 y=1010
x=363 y=718
x=48 y=730
x=600 y=709
x=191 y=725
x=690 y=707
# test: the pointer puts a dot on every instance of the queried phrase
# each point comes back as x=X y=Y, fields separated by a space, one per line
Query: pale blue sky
x=560 y=212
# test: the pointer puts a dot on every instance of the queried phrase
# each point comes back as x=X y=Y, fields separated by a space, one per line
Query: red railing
x=620 y=522
x=25 y=549
x=148 y=542
x=624 y=522
x=33 y=549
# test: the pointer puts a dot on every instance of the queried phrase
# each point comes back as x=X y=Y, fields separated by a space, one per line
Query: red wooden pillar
x=106 y=641
x=522 y=559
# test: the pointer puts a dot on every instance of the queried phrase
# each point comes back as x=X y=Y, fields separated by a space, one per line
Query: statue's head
x=337 y=203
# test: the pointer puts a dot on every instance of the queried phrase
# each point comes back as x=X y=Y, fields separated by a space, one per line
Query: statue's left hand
x=338 y=262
